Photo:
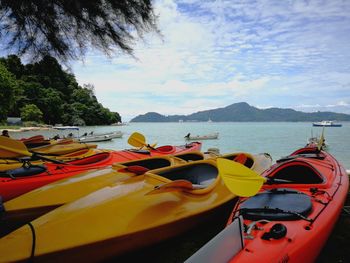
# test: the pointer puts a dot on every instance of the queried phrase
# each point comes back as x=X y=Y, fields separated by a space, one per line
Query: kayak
x=292 y=216
x=21 y=180
x=84 y=183
x=35 y=141
x=125 y=215
x=9 y=164
x=59 y=149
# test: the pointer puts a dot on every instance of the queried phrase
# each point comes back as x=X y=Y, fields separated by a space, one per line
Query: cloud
x=214 y=53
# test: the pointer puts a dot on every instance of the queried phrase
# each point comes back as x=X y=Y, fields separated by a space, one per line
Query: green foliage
x=7 y=86
x=65 y=29
x=52 y=90
x=31 y=112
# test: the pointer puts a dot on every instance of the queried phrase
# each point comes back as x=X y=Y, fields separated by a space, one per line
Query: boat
x=66 y=128
x=30 y=176
x=100 y=137
x=84 y=183
x=94 y=139
x=291 y=217
x=10 y=164
x=326 y=124
x=64 y=147
x=211 y=136
x=122 y=216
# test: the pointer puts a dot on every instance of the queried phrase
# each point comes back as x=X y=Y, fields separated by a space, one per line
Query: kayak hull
x=112 y=248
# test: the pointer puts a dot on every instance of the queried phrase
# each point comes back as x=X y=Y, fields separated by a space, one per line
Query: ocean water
x=276 y=138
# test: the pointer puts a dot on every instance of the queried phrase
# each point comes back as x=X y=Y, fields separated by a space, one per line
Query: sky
x=211 y=54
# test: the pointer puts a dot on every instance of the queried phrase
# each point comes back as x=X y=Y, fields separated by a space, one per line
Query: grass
x=4 y=127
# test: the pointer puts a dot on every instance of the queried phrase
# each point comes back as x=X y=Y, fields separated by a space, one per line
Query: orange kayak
x=291 y=218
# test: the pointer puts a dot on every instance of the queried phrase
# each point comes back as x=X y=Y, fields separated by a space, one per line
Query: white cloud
x=214 y=53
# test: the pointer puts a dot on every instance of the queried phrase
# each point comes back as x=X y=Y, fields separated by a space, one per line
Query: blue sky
x=287 y=54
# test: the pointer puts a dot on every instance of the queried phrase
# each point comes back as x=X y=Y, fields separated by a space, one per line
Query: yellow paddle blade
x=137 y=140
x=177 y=185
x=321 y=141
x=10 y=148
x=239 y=179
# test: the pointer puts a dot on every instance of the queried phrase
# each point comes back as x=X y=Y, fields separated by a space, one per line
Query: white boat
x=326 y=124
x=66 y=127
x=211 y=136
x=100 y=137
x=94 y=139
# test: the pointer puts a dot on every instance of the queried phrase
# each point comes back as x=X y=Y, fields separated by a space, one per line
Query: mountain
x=242 y=111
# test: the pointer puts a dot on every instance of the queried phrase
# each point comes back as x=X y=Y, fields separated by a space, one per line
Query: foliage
x=52 y=90
x=65 y=29
x=31 y=112
x=7 y=86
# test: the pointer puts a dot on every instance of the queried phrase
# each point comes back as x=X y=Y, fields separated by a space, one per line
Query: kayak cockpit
x=296 y=172
x=247 y=161
x=24 y=171
x=150 y=164
x=199 y=174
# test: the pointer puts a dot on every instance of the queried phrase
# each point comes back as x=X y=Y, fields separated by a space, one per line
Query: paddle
x=138 y=140
x=10 y=148
x=321 y=141
x=239 y=179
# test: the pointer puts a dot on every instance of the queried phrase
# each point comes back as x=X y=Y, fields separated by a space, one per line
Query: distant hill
x=242 y=111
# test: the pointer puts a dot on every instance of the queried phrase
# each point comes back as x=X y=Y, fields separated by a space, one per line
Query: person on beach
x=5 y=133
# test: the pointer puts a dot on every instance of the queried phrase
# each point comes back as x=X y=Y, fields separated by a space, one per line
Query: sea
x=276 y=138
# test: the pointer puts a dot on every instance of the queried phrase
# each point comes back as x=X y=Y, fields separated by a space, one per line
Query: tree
x=54 y=91
x=31 y=112
x=65 y=29
x=7 y=86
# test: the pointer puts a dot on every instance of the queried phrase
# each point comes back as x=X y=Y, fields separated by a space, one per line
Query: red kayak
x=291 y=217
x=19 y=181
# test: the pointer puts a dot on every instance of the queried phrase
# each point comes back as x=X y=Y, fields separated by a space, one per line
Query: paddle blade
x=239 y=179
x=137 y=140
x=10 y=148
x=321 y=141
x=177 y=185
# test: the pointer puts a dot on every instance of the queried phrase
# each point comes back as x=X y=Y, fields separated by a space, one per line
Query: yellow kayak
x=80 y=185
x=59 y=149
x=127 y=211
x=87 y=182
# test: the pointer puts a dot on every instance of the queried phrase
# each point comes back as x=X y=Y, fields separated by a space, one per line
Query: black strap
x=31 y=259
